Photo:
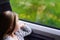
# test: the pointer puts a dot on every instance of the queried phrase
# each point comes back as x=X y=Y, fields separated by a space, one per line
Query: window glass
x=45 y=12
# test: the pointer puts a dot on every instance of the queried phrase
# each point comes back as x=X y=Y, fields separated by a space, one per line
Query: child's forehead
x=17 y=17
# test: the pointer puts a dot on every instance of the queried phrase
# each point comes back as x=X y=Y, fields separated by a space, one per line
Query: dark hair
x=7 y=23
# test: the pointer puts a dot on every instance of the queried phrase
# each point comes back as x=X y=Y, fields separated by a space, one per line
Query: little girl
x=11 y=28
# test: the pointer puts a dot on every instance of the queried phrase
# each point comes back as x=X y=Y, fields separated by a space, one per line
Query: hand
x=22 y=25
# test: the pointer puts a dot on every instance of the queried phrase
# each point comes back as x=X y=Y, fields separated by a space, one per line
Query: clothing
x=21 y=33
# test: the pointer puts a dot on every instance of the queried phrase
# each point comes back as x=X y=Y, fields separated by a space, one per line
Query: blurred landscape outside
x=45 y=12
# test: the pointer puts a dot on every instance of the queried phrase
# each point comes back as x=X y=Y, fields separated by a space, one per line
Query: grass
x=40 y=11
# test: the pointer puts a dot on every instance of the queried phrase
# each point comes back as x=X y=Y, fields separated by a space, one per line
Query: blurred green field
x=45 y=12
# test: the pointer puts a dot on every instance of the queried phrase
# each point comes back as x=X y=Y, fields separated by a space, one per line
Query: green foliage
x=40 y=11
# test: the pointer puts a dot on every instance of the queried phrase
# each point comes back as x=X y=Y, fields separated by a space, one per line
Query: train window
x=46 y=12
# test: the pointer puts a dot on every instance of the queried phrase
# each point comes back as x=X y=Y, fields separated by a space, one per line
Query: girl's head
x=8 y=23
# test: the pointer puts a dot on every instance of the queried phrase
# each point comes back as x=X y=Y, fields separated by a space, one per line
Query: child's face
x=17 y=24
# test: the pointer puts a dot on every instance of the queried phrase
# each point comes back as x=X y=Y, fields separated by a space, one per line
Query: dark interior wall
x=3 y=1
x=4 y=5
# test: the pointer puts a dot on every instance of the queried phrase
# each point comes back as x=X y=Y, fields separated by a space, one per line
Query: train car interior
x=39 y=31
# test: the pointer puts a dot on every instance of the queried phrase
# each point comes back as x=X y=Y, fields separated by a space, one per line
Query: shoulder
x=7 y=38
